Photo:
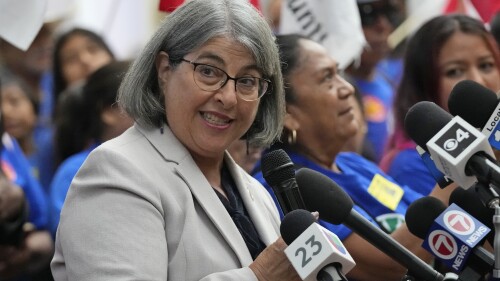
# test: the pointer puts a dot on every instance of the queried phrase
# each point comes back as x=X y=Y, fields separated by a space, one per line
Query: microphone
x=322 y=194
x=279 y=172
x=451 y=235
x=479 y=106
x=469 y=200
x=459 y=150
x=441 y=179
x=314 y=252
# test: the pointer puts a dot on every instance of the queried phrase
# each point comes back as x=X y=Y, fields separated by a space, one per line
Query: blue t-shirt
x=61 y=182
x=18 y=170
x=408 y=168
x=378 y=96
x=42 y=161
x=392 y=69
x=358 y=174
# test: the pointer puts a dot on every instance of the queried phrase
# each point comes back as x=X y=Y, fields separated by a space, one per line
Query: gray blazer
x=140 y=209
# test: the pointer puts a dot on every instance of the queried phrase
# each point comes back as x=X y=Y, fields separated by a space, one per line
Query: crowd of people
x=149 y=169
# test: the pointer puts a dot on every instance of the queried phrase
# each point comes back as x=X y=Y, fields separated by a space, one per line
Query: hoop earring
x=292 y=137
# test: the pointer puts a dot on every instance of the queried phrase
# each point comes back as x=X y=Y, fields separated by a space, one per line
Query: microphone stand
x=485 y=168
x=496 y=241
x=490 y=198
x=332 y=273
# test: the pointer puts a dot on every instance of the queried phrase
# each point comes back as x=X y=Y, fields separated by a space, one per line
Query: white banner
x=333 y=23
x=21 y=20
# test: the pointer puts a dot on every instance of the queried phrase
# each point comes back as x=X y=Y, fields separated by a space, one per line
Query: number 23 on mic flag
x=171 y=5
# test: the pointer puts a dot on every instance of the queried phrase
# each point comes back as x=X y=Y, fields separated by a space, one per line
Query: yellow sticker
x=386 y=192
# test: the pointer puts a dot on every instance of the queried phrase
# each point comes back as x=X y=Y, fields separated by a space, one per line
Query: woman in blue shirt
x=319 y=122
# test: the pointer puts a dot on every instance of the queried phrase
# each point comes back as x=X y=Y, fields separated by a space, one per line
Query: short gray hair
x=189 y=27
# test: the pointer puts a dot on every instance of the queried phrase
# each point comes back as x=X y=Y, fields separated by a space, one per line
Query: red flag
x=487 y=8
x=256 y=3
x=170 y=5
x=484 y=8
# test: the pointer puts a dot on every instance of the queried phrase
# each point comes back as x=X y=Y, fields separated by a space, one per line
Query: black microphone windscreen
x=421 y=214
x=424 y=120
x=322 y=194
x=277 y=167
x=470 y=201
x=473 y=102
x=294 y=224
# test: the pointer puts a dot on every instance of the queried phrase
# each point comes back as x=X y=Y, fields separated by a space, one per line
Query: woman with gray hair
x=165 y=201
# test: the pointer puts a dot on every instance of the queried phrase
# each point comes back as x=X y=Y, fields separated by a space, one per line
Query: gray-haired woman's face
x=207 y=122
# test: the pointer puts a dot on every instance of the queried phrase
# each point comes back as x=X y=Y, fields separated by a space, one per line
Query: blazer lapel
x=200 y=188
x=253 y=203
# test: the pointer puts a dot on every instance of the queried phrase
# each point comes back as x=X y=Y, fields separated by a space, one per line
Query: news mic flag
x=314 y=252
x=316 y=248
x=458 y=149
x=453 y=236
x=421 y=216
x=453 y=146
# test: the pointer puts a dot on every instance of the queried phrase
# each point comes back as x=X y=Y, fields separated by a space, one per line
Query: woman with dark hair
x=444 y=51
x=77 y=53
x=320 y=121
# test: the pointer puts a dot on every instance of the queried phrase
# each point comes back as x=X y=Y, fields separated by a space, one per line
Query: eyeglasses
x=210 y=78
x=369 y=14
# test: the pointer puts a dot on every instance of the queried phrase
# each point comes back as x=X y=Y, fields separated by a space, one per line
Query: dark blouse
x=237 y=211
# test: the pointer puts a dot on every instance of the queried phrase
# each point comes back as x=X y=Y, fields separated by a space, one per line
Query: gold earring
x=292 y=137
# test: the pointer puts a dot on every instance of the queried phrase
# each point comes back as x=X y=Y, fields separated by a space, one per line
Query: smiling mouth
x=215 y=120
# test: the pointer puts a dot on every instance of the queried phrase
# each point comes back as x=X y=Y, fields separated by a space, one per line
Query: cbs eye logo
x=452 y=144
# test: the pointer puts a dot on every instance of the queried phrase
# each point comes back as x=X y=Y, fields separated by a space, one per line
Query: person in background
x=96 y=119
x=20 y=113
x=78 y=53
x=26 y=252
x=245 y=155
x=444 y=51
x=377 y=20
x=320 y=120
x=33 y=67
x=495 y=27
x=273 y=9
x=164 y=200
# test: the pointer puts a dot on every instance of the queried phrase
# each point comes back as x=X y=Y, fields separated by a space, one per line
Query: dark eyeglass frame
x=369 y=13
x=227 y=78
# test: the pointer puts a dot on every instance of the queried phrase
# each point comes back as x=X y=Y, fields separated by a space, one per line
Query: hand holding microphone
x=273 y=264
